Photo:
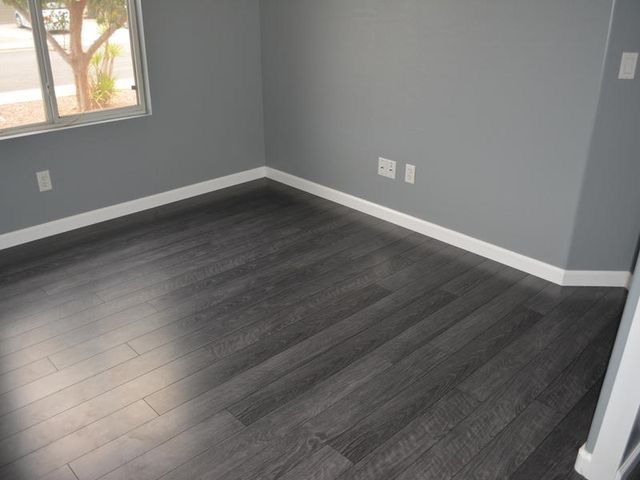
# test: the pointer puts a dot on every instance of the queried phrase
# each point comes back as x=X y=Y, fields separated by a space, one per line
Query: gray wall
x=494 y=101
x=204 y=64
x=608 y=221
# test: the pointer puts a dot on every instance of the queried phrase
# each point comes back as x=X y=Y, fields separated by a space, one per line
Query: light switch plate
x=44 y=181
x=628 y=66
x=410 y=174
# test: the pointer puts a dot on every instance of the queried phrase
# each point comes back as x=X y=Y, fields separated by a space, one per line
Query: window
x=69 y=62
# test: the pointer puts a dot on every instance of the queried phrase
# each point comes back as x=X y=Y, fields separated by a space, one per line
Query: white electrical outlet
x=410 y=174
x=44 y=181
x=387 y=168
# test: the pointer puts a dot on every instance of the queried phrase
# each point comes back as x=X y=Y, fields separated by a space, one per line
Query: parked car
x=54 y=14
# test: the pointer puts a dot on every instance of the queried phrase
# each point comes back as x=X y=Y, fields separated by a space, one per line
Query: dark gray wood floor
x=271 y=334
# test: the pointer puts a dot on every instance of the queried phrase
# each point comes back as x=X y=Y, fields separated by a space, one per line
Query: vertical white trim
x=605 y=460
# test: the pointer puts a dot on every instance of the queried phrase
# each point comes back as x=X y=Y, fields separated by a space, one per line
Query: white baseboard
x=583 y=463
x=507 y=257
x=585 y=466
x=597 y=278
x=19 y=237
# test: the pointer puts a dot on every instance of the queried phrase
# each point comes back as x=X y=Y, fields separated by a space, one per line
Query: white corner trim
x=583 y=463
x=19 y=237
x=585 y=467
x=502 y=255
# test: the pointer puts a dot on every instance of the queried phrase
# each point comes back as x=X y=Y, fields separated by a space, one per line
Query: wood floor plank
x=270 y=345
x=77 y=337
x=515 y=443
x=27 y=374
x=261 y=333
x=327 y=464
x=474 y=277
x=166 y=456
x=62 y=473
x=312 y=296
x=62 y=451
x=501 y=368
x=358 y=441
x=45 y=386
x=158 y=431
x=273 y=428
x=244 y=246
x=294 y=383
x=555 y=456
x=96 y=254
x=509 y=450
x=72 y=322
x=397 y=453
x=463 y=443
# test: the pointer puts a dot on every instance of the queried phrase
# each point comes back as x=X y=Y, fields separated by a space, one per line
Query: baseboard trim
x=586 y=468
x=583 y=462
x=64 y=225
x=507 y=257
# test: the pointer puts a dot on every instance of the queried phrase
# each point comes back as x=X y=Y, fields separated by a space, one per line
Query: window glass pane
x=90 y=50
x=21 y=100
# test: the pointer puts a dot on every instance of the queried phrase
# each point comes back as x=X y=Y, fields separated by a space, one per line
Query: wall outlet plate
x=410 y=174
x=44 y=181
x=387 y=168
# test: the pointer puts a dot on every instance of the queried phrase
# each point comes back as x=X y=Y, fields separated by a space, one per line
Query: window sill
x=71 y=122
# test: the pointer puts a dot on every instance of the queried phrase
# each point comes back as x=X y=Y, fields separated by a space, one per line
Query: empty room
x=319 y=239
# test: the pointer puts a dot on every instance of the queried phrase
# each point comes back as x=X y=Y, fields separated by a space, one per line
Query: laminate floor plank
x=62 y=451
x=503 y=366
x=364 y=437
x=516 y=443
x=327 y=464
x=256 y=371
x=275 y=427
x=293 y=384
x=312 y=297
x=95 y=255
x=401 y=450
x=80 y=337
x=452 y=453
x=554 y=458
x=263 y=333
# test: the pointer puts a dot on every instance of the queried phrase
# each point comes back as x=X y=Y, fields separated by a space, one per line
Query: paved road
x=18 y=65
x=19 y=70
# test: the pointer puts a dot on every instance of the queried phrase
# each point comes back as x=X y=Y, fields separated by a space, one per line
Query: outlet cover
x=387 y=168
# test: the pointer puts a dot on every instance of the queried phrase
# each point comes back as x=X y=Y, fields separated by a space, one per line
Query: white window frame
x=54 y=121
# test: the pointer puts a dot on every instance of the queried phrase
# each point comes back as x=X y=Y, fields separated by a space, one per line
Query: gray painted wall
x=608 y=221
x=494 y=102
x=204 y=66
